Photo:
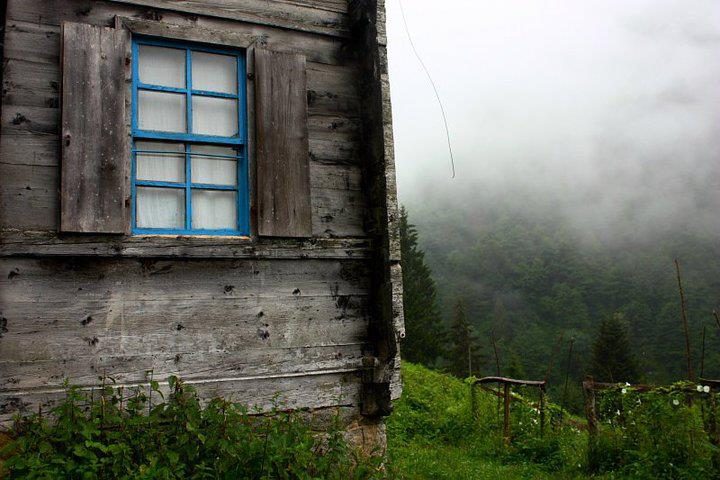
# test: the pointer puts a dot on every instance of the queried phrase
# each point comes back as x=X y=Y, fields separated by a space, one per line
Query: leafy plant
x=659 y=433
x=116 y=434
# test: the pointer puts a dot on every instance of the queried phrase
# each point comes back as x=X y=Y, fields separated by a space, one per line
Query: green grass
x=432 y=434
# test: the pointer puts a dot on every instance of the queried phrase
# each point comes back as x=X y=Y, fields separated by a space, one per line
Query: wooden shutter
x=95 y=143
x=282 y=153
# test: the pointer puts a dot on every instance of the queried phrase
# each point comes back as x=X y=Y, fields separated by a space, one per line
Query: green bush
x=107 y=436
x=656 y=434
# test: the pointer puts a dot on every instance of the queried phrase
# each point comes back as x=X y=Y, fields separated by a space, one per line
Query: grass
x=432 y=434
x=439 y=430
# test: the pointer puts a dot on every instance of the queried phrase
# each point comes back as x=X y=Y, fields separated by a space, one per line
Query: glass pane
x=213 y=210
x=215 y=73
x=161 y=111
x=162 y=66
x=219 y=171
x=215 y=116
x=164 y=167
x=160 y=207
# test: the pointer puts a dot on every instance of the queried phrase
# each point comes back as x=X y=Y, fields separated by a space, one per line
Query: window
x=184 y=163
x=189 y=149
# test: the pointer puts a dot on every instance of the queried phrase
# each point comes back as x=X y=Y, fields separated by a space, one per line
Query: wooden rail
x=506 y=395
x=590 y=387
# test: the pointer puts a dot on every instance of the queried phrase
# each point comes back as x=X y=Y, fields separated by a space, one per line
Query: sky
x=609 y=108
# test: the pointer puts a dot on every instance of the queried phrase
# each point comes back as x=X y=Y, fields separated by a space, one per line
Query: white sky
x=560 y=96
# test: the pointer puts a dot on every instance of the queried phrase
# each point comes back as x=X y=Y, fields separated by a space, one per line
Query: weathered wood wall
x=236 y=318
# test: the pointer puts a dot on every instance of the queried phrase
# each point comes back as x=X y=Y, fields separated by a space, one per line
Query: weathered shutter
x=95 y=144
x=282 y=153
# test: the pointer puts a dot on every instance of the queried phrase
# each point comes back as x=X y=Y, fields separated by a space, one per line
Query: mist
x=605 y=113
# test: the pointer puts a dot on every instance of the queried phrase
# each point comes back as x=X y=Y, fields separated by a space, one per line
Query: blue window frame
x=173 y=201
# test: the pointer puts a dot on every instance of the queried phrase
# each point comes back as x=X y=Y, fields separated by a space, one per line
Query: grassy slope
x=431 y=434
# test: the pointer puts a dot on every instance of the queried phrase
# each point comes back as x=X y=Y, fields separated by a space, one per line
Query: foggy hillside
x=588 y=158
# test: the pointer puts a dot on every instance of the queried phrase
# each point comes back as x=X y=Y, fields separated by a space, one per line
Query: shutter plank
x=95 y=142
x=282 y=152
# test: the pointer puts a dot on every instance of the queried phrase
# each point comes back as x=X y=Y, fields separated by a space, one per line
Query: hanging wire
x=437 y=95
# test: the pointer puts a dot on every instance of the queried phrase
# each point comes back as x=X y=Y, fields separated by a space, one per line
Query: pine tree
x=515 y=368
x=425 y=334
x=612 y=357
x=465 y=355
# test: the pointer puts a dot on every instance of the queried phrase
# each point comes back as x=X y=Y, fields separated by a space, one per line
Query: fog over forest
x=587 y=150
x=603 y=112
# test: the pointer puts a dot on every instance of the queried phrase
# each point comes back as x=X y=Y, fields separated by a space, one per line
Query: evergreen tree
x=612 y=357
x=464 y=353
x=515 y=368
x=424 y=331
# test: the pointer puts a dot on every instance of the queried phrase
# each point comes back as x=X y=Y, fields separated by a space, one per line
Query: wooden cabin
x=201 y=189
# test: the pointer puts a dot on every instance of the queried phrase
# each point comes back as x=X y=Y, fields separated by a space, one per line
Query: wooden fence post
x=590 y=412
x=474 y=402
x=506 y=413
x=542 y=411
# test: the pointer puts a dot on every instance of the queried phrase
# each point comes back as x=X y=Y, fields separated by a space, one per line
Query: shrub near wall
x=107 y=436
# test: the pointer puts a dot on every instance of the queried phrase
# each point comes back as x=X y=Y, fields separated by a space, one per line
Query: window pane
x=212 y=210
x=160 y=207
x=215 y=116
x=164 y=167
x=162 y=66
x=215 y=73
x=219 y=171
x=161 y=111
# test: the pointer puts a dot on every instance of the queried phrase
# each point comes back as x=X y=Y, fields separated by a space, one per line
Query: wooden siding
x=241 y=318
x=29 y=127
x=80 y=318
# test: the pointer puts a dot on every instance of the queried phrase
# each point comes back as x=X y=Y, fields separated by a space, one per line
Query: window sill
x=231 y=238
x=49 y=244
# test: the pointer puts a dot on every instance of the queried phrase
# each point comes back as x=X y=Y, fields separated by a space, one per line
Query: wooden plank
x=78 y=318
x=37 y=18
x=282 y=151
x=103 y=330
x=29 y=121
x=387 y=325
x=291 y=15
x=31 y=84
x=32 y=42
x=95 y=147
x=188 y=33
x=38 y=244
x=125 y=369
x=337 y=177
x=61 y=279
x=29 y=197
x=317 y=390
x=338 y=213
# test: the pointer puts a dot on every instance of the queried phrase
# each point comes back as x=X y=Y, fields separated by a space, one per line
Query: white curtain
x=162 y=111
x=214 y=170
x=160 y=207
x=214 y=209
x=165 y=207
x=162 y=66
x=214 y=116
x=214 y=73
x=164 y=167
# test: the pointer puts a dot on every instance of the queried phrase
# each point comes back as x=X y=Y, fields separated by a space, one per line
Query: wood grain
x=281 y=145
x=326 y=18
x=318 y=390
x=95 y=144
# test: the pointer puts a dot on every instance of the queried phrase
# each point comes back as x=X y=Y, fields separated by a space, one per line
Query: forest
x=516 y=288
